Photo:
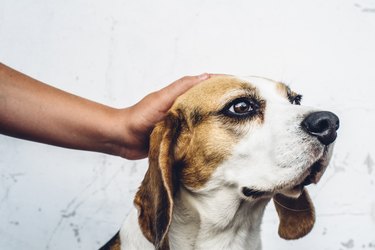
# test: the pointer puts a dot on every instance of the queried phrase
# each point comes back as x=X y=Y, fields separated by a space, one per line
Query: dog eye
x=241 y=107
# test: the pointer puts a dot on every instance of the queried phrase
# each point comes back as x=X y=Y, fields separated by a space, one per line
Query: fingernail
x=203 y=76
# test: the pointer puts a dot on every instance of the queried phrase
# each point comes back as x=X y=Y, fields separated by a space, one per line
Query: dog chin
x=312 y=176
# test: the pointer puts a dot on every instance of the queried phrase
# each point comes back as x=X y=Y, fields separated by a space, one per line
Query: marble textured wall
x=117 y=51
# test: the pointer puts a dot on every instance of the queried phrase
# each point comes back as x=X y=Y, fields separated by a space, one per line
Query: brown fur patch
x=213 y=94
x=113 y=244
x=283 y=89
x=209 y=146
x=211 y=136
x=196 y=117
x=154 y=198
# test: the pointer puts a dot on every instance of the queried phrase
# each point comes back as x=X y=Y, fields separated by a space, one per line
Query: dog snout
x=323 y=125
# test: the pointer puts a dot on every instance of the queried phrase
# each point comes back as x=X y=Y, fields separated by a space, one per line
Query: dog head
x=250 y=134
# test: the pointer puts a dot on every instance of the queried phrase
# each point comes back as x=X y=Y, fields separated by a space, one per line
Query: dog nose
x=323 y=125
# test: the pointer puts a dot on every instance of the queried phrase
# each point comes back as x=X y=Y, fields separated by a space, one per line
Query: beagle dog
x=227 y=147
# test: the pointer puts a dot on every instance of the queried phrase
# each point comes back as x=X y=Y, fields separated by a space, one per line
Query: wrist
x=122 y=136
x=114 y=132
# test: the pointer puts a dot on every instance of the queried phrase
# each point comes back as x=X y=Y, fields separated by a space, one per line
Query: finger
x=217 y=74
x=168 y=94
x=183 y=84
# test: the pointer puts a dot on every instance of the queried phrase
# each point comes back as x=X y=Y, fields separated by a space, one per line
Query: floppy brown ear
x=297 y=215
x=154 y=199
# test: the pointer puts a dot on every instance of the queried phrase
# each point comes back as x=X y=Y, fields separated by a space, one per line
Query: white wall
x=117 y=51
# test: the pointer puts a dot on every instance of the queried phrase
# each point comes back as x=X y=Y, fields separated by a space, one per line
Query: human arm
x=32 y=110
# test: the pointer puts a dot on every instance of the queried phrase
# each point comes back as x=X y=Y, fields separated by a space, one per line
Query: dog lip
x=315 y=169
x=314 y=173
x=311 y=175
x=253 y=193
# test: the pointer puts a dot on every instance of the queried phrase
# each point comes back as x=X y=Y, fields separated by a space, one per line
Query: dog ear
x=154 y=199
x=297 y=215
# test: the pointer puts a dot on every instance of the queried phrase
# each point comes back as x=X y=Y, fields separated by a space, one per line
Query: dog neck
x=220 y=220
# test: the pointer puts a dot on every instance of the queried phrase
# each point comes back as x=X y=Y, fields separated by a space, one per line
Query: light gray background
x=117 y=51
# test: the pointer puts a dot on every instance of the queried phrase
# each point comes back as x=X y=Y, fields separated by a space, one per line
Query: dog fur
x=227 y=147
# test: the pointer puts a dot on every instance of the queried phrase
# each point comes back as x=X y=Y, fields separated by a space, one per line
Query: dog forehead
x=210 y=94
x=214 y=92
x=268 y=89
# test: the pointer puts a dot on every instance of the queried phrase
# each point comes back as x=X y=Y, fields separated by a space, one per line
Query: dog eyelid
x=241 y=108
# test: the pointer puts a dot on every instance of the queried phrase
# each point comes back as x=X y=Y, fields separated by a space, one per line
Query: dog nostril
x=322 y=125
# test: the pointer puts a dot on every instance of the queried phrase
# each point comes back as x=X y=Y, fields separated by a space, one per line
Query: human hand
x=142 y=117
x=32 y=110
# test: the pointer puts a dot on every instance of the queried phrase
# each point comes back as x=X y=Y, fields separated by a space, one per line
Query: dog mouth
x=311 y=176
x=316 y=172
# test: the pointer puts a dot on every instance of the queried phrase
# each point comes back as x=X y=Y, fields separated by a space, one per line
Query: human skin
x=32 y=110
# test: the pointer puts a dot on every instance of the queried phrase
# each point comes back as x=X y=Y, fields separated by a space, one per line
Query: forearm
x=35 y=111
x=32 y=110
